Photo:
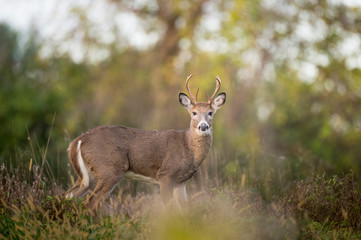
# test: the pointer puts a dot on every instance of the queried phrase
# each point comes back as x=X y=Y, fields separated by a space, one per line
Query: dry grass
x=319 y=208
x=29 y=209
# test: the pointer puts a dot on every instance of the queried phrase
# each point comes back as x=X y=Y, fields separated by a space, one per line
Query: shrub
x=332 y=202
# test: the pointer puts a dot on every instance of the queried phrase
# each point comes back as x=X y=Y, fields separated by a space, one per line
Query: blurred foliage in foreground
x=319 y=208
x=291 y=72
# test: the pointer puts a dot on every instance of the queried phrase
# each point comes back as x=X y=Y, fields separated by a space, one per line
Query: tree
x=26 y=95
x=307 y=74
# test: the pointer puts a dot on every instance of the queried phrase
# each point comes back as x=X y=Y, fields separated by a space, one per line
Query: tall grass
x=220 y=207
x=219 y=213
x=331 y=207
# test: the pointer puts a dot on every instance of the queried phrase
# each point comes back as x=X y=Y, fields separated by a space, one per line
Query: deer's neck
x=199 y=146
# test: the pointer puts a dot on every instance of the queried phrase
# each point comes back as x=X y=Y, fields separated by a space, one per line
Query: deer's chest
x=186 y=175
x=199 y=152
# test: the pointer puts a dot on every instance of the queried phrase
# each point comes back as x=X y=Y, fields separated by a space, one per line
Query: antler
x=218 y=86
x=189 y=91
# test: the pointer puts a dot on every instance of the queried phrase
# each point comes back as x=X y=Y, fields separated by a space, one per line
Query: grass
x=330 y=208
x=317 y=208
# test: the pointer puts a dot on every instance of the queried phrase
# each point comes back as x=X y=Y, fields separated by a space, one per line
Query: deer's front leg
x=166 y=190
x=180 y=193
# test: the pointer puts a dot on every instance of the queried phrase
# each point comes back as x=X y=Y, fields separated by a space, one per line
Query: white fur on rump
x=83 y=169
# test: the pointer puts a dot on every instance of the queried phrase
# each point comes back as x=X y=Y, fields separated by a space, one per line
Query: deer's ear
x=185 y=101
x=219 y=101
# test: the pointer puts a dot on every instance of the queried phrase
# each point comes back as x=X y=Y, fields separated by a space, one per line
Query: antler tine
x=218 y=86
x=189 y=91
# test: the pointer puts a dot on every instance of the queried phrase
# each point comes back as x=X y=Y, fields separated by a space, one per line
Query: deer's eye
x=210 y=113
x=194 y=113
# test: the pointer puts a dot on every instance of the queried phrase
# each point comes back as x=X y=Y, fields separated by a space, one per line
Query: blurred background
x=291 y=71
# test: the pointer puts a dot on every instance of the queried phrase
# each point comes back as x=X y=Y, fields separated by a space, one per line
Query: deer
x=107 y=154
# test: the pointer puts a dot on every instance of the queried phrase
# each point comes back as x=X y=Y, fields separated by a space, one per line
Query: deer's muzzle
x=203 y=127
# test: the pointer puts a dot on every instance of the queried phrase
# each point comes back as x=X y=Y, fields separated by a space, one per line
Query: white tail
x=169 y=157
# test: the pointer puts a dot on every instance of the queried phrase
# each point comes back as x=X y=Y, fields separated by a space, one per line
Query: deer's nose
x=203 y=127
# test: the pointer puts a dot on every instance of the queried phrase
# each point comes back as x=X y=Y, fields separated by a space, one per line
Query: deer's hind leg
x=102 y=189
x=81 y=190
x=107 y=178
x=69 y=193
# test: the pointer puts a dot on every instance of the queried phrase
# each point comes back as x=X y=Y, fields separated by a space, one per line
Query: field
x=319 y=208
x=285 y=161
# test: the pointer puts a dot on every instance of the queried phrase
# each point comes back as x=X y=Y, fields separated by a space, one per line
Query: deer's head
x=202 y=112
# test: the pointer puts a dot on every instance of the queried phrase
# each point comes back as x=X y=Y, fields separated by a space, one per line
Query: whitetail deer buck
x=168 y=158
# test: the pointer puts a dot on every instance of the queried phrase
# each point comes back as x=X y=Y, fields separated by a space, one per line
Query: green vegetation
x=293 y=97
x=31 y=207
x=285 y=161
